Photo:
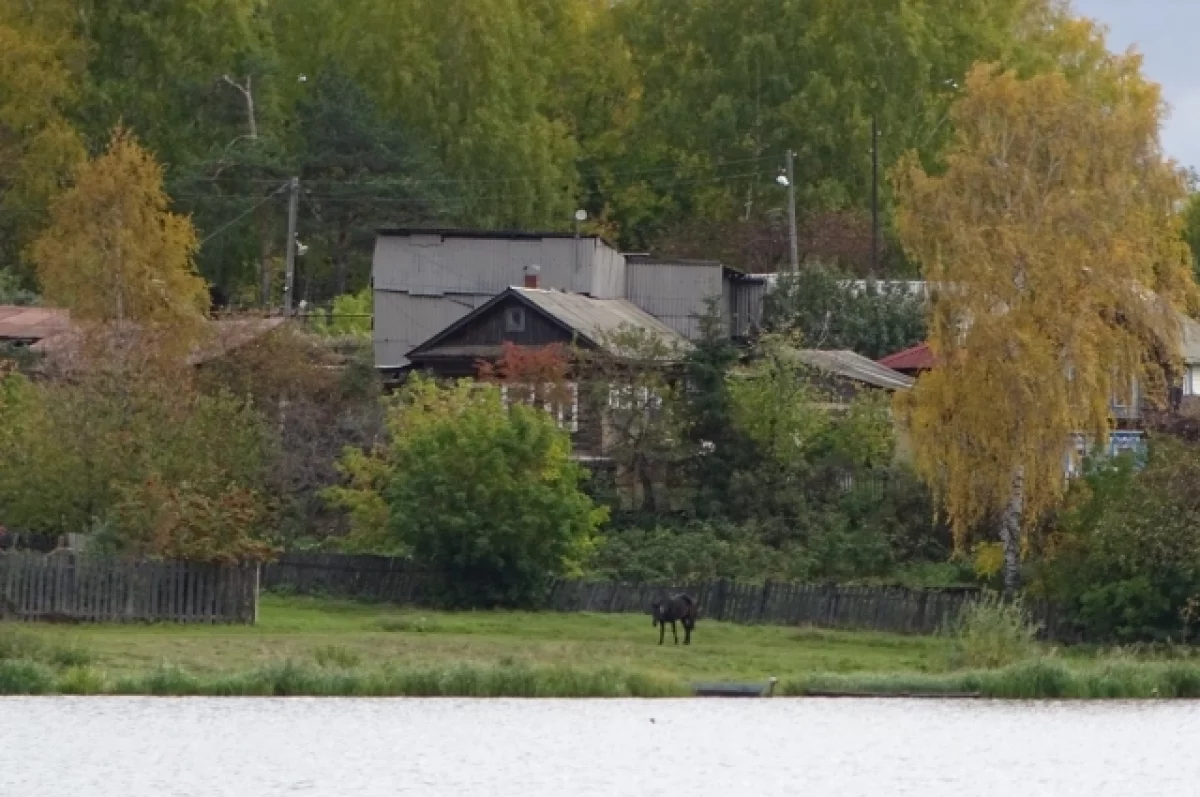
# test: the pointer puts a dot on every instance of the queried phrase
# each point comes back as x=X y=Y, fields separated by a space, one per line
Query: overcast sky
x=1164 y=31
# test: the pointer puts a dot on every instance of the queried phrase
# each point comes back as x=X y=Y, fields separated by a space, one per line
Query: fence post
x=720 y=599
x=762 y=601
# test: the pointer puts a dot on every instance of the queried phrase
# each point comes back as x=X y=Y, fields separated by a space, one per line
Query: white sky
x=1165 y=33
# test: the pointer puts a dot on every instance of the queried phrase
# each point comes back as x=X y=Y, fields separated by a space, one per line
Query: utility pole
x=791 y=179
x=874 y=196
x=290 y=275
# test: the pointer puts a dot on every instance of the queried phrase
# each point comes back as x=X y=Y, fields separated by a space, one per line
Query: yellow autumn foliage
x=114 y=254
x=1052 y=244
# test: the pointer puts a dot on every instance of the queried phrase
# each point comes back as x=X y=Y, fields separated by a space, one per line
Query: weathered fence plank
x=93 y=589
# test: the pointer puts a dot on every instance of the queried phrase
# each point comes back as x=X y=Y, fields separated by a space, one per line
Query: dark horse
x=680 y=608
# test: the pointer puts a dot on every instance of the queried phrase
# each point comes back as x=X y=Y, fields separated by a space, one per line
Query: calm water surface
x=121 y=747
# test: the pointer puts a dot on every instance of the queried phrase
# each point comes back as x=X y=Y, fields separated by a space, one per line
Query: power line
x=481 y=180
x=241 y=216
x=367 y=197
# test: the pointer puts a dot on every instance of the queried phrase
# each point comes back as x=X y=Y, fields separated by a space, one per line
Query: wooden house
x=533 y=317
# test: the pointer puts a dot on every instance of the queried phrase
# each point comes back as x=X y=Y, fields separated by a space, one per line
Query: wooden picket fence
x=375 y=578
x=72 y=588
x=895 y=609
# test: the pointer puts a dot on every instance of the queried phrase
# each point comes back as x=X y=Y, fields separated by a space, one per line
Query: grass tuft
x=992 y=632
x=24 y=677
x=336 y=656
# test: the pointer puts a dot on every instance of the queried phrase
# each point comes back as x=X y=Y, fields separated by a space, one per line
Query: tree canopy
x=1054 y=249
x=113 y=252
x=667 y=122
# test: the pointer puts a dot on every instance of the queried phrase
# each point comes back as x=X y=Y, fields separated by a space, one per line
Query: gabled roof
x=592 y=321
x=851 y=365
x=32 y=323
x=915 y=358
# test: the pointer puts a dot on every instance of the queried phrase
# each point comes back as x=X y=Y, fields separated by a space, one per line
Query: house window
x=514 y=319
x=561 y=401
x=628 y=397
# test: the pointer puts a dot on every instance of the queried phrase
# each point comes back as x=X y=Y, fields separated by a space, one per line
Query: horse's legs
x=687 y=632
x=675 y=632
x=662 y=632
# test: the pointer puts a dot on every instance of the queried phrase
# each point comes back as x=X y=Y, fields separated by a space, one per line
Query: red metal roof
x=32 y=323
x=917 y=358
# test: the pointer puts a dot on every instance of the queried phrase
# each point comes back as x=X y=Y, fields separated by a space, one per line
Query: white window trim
x=557 y=410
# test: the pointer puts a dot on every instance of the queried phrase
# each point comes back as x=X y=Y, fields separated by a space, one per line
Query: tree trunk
x=264 y=257
x=1010 y=534
x=341 y=259
x=641 y=466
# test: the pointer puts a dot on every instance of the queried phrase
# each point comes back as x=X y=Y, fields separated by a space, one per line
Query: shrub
x=188 y=522
x=992 y=632
x=1124 y=560
x=336 y=656
x=486 y=495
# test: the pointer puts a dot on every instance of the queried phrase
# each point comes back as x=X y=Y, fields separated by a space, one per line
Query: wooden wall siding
x=490 y=330
x=890 y=609
x=92 y=589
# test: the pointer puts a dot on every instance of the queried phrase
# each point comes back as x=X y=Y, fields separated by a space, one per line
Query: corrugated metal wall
x=425 y=282
x=432 y=264
x=403 y=321
x=744 y=303
x=675 y=293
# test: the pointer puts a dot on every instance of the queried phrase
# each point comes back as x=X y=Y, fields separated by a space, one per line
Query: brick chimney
x=532 y=278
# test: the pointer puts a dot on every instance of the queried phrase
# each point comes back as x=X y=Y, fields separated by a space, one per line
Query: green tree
x=39 y=63
x=69 y=450
x=1191 y=230
x=158 y=69
x=829 y=311
x=1046 y=234
x=361 y=171
x=476 y=82
x=485 y=495
x=726 y=86
x=1123 y=560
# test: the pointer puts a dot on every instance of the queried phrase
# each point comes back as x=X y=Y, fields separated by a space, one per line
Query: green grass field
x=325 y=647
x=305 y=629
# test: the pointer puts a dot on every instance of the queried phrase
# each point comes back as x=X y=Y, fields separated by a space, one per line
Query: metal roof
x=501 y=235
x=598 y=319
x=32 y=323
x=854 y=366
x=592 y=320
x=228 y=334
x=916 y=358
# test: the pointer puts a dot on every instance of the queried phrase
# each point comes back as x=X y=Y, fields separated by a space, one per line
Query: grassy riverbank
x=304 y=646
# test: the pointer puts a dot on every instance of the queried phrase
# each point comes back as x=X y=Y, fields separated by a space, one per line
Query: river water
x=148 y=747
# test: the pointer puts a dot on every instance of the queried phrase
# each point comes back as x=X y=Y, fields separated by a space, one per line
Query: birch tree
x=113 y=251
x=1054 y=246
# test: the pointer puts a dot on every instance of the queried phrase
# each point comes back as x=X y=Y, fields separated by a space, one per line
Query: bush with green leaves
x=1124 y=560
x=70 y=450
x=484 y=494
x=831 y=311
